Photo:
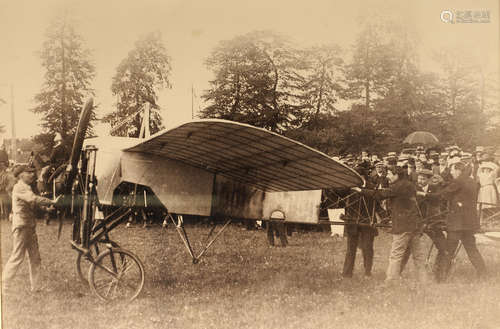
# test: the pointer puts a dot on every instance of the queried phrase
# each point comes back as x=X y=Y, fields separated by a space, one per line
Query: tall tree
x=461 y=91
x=367 y=73
x=67 y=81
x=241 y=83
x=402 y=93
x=136 y=83
x=255 y=81
x=317 y=83
x=381 y=83
x=322 y=79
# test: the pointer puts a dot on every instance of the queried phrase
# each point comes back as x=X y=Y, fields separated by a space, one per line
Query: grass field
x=243 y=283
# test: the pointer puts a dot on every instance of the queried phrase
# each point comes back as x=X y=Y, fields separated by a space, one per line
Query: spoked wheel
x=116 y=274
x=83 y=262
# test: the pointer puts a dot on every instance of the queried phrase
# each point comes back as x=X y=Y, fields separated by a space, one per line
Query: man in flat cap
x=24 y=238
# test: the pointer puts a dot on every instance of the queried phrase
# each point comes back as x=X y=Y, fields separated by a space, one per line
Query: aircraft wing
x=254 y=156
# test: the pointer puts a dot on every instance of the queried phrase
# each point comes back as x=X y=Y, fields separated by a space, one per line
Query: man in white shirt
x=24 y=238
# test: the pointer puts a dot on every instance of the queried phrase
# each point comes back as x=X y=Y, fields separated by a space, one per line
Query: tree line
x=369 y=96
x=69 y=72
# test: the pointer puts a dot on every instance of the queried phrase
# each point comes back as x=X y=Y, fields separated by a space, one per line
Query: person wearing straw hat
x=443 y=170
x=378 y=178
x=24 y=238
x=411 y=170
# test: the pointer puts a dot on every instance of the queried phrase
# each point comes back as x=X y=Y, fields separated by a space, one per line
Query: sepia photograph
x=250 y=164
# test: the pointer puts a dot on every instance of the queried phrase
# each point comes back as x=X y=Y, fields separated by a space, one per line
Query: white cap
x=454 y=160
x=488 y=164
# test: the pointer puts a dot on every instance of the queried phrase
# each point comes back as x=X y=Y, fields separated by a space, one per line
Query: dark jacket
x=462 y=195
x=58 y=156
x=445 y=174
x=403 y=205
x=431 y=205
x=413 y=177
x=4 y=157
x=377 y=181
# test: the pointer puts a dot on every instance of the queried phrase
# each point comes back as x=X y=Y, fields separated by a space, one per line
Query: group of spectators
x=440 y=194
x=426 y=192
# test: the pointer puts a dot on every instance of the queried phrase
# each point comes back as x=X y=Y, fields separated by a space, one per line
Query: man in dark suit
x=379 y=177
x=357 y=235
x=412 y=173
x=462 y=221
x=59 y=154
x=443 y=170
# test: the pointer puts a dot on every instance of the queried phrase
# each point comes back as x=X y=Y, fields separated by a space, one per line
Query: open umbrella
x=421 y=137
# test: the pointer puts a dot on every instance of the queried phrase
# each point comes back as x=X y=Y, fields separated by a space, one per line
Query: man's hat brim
x=425 y=172
x=23 y=168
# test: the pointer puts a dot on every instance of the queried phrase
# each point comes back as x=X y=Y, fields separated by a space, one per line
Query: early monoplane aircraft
x=211 y=168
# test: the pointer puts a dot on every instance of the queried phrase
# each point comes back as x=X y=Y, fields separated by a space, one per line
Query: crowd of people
x=441 y=194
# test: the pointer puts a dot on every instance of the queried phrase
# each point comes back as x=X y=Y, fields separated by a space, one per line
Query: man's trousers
x=24 y=241
x=400 y=243
x=469 y=243
x=364 y=237
x=439 y=240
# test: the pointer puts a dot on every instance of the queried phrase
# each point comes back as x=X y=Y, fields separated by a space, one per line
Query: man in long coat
x=462 y=220
x=359 y=236
x=59 y=154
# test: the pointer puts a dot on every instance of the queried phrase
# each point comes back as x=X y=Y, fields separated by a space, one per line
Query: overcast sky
x=191 y=29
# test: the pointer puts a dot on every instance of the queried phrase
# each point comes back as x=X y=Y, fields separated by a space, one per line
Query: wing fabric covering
x=254 y=156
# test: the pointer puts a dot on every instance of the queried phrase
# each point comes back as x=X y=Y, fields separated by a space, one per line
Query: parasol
x=421 y=137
